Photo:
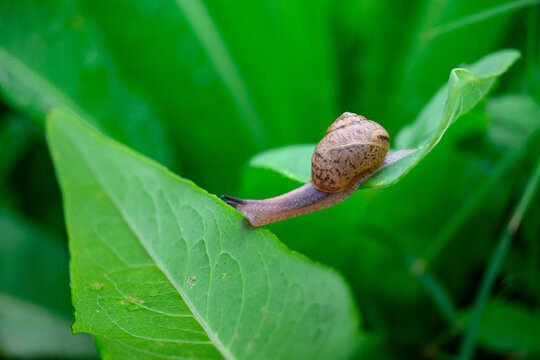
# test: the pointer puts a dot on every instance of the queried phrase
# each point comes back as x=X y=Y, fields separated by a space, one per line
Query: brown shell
x=352 y=145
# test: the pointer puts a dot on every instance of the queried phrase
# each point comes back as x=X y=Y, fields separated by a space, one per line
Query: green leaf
x=465 y=88
x=290 y=161
x=28 y=330
x=73 y=69
x=431 y=49
x=160 y=268
x=220 y=87
x=507 y=327
x=16 y=133
x=513 y=118
x=34 y=294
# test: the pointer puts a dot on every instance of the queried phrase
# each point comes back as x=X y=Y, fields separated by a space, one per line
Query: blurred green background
x=203 y=86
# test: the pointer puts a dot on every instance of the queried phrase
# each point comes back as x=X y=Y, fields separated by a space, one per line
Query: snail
x=352 y=150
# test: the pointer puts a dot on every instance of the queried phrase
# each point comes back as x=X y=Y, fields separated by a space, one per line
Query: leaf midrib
x=225 y=352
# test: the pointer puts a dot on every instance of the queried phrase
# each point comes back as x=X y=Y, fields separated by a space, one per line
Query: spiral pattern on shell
x=352 y=145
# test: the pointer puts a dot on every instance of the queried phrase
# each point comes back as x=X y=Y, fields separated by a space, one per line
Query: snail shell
x=351 y=146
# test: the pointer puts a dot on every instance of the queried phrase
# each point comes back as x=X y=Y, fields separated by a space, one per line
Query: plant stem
x=436 y=291
x=497 y=259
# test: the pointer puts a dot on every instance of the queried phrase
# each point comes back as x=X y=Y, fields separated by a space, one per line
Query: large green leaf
x=465 y=88
x=161 y=268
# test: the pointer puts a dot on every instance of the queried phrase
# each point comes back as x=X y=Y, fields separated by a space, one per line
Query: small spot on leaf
x=131 y=303
x=96 y=286
x=192 y=281
x=136 y=300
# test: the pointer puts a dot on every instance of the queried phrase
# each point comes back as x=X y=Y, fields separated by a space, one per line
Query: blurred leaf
x=31 y=188
x=27 y=182
x=466 y=87
x=228 y=86
x=385 y=50
x=31 y=331
x=374 y=346
x=370 y=39
x=514 y=117
x=424 y=54
x=15 y=135
x=51 y=54
x=34 y=294
x=237 y=293
x=26 y=248
x=509 y=327
x=504 y=8
x=496 y=261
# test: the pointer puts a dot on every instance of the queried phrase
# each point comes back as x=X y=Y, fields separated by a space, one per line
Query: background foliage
x=202 y=87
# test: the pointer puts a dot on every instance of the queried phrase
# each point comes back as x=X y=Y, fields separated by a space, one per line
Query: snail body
x=352 y=150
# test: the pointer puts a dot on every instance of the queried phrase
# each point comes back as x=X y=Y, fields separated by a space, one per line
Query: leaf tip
x=57 y=115
x=515 y=53
x=51 y=117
